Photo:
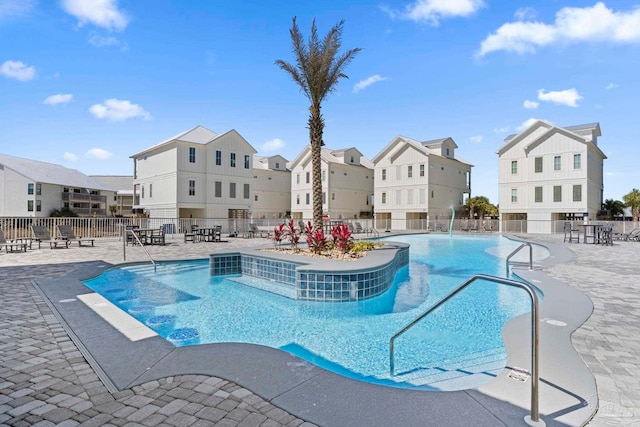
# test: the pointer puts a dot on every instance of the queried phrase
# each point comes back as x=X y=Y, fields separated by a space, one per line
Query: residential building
x=123 y=200
x=195 y=174
x=347 y=184
x=419 y=181
x=549 y=173
x=30 y=188
x=271 y=190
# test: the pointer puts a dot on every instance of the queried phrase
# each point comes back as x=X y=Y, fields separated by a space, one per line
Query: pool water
x=458 y=346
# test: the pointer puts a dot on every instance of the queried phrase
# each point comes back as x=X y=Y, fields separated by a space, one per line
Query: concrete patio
x=47 y=380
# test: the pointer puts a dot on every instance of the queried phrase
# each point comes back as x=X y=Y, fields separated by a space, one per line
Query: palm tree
x=317 y=70
x=613 y=207
x=632 y=200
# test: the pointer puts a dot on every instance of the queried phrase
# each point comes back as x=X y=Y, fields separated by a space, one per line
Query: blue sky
x=88 y=83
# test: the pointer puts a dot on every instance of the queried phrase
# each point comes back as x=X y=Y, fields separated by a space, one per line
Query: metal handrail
x=518 y=250
x=373 y=231
x=135 y=236
x=535 y=376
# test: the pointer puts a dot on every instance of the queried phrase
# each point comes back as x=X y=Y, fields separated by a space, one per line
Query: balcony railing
x=80 y=197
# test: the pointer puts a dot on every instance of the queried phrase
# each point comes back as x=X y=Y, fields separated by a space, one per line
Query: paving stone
x=181 y=420
x=252 y=420
x=211 y=414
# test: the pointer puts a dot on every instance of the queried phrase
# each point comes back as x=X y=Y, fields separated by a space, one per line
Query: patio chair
x=12 y=246
x=257 y=232
x=571 y=232
x=41 y=235
x=159 y=239
x=66 y=232
x=357 y=227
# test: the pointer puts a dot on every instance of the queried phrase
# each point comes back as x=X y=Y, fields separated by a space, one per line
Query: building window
x=246 y=191
x=232 y=190
x=218 y=158
x=448 y=152
x=366 y=200
x=421 y=170
x=324 y=198
x=297 y=199
x=514 y=195
x=353 y=159
x=557 y=193
x=255 y=198
x=246 y=161
x=577 y=161
x=538 y=195
x=65 y=190
x=297 y=178
x=324 y=176
x=307 y=199
x=433 y=194
x=557 y=163
x=538 y=164
x=514 y=167
x=233 y=160
x=217 y=188
x=30 y=205
x=150 y=190
x=383 y=198
x=192 y=154
x=192 y=187
x=308 y=177
x=333 y=196
x=142 y=191
x=30 y=188
x=38 y=189
x=384 y=174
x=409 y=171
x=277 y=165
x=577 y=193
x=38 y=205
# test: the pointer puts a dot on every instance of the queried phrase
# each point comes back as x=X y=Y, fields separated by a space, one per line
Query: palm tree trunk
x=316 y=127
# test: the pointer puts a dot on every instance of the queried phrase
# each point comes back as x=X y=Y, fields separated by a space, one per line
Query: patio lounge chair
x=257 y=232
x=571 y=233
x=357 y=227
x=65 y=232
x=632 y=235
x=41 y=235
x=11 y=246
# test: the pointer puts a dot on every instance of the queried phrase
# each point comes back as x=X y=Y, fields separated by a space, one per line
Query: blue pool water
x=182 y=303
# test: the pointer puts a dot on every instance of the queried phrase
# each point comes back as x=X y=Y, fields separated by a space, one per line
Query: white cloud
x=58 y=99
x=116 y=109
x=612 y=86
x=17 y=70
x=69 y=157
x=525 y=14
x=526 y=124
x=363 y=84
x=100 y=41
x=572 y=25
x=432 y=11
x=502 y=130
x=531 y=105
x=476 y=139
x=272 y=145
x=101 y=13
x=569 y=97
x=13 y=9
x=98 y=153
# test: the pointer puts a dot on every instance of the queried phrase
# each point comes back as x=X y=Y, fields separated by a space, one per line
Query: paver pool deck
x=46 y=379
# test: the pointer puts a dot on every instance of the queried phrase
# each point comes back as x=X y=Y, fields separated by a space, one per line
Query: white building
x=271 y=188
x=418 y=181
x=196 y=174
x=123 y=200
x=347 y=184
x=30 y=188
x=549 y=173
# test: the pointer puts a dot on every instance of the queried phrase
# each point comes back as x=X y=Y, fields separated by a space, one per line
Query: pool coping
x=567 y=393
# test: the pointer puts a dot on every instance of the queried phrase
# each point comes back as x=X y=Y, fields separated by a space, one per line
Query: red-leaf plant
x=342 y=237
x=292 y=233
x=278 y=234
x=316 y=241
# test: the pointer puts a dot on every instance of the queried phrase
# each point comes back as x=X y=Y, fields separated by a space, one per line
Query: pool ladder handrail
x=135 y=236
x=534 y=418
x=518 y=250
x=373 y=232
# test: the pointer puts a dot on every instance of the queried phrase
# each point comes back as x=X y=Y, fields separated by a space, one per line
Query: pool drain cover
x=519 y=374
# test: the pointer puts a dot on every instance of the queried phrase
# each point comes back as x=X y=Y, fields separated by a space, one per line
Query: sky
x=88 y=83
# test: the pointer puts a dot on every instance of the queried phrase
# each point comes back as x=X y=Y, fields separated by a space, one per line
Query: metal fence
x=112 y=228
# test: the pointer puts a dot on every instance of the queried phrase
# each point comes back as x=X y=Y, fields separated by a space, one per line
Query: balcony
x=83 y=197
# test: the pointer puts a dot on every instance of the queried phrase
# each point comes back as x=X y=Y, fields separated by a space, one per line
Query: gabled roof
x=50 y=173
x=569 y=131
x=262 y=162
x=328 y=156
x=195 y=135
x=422 y=147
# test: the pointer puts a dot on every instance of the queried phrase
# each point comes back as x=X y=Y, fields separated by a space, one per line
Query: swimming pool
x=460 y=341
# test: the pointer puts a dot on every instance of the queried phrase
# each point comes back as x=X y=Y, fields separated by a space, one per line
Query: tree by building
x=318 y=68
x=63 y=213
x=613 y=207
x=481 y=206
x=632 y=200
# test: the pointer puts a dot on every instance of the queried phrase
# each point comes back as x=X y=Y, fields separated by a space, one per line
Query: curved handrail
x=518 y=250
x=135 y=236
x=535 y=376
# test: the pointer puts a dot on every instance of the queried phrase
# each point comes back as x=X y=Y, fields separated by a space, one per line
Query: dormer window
x=352 y=159
x=448 y=152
